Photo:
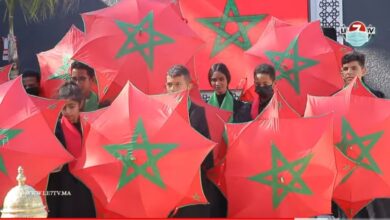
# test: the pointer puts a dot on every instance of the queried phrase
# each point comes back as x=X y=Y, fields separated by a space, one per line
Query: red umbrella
x=303 y=66
x=358 y=89
x=273 y=168
x=361 y=146
x=146 y=38
x=277 y=108
x=55 y=63
x=25 y=139
x=4 y=73
x=142 y=151
x=232 y=26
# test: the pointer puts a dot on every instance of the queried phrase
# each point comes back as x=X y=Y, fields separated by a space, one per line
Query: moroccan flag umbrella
x=4 y=73
x=232 y=26
x=357 y=88
x=145 y=39
x=361 y=145
x=25 y=139
x=277 y=108
x=280 y=168
x=303 y=66
x=142 y=151
x=55 y=63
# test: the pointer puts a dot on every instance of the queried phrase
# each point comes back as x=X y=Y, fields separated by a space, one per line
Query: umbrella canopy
x=146 y=38
x=25 y=138
x=361 y=144
x=142 y=151
x=273 y=167
x=232 y=26
x=303 y=66
x=55 y=63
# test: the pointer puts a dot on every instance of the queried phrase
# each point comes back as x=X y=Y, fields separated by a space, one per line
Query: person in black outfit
x=264 y=81
x=179 y=79
x=77 y=200
x=353 y=65
x=219 y=78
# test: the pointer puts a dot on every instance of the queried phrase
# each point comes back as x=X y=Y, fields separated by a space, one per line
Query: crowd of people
x=80 y=97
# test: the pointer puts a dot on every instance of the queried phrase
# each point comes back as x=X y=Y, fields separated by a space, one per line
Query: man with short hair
x=353 y=64
x=179 y=79
x=31 y=80
x=84 y=77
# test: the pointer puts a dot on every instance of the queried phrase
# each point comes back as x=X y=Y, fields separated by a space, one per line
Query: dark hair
x=266 y=69
x=70 y=90
x=354 y=56
x=179 y=70
x=222 y=68
x=79 y=65
x=32 y=73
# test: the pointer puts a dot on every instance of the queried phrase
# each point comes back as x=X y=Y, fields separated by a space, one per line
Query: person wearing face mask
x=264 y=81
x=31 y=80
x=219 y=79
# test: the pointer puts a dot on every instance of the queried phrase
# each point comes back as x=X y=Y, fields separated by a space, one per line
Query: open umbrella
x=361 y=137
x=4 y=73
x=55 y=63
x=357 y=88
x=303 y=66
x=146 y=38
x=273 y=168
x=25 y=139
x=142 y=151
x=232 y=26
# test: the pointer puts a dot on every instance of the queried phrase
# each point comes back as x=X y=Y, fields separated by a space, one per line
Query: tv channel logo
x=357 y=33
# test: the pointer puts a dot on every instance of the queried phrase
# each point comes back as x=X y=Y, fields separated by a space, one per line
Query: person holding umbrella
x=219 y=79
x=354 y=66
x=84 y=77
x=264 y=80
x=31 y=80
x=179 y=79
x=78 y=201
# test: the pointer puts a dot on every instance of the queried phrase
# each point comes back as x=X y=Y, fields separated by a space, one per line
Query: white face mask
x=356 y=38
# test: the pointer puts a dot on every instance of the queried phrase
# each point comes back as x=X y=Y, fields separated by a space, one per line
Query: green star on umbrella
x=62 y=71
x=5 y=136
x=224 y=39
x=299 y=63
x=365 y=144
x=280 y=189
x=129 y=161
x=147 y=49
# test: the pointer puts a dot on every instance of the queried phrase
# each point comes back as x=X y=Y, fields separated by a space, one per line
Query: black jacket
x=80 y=202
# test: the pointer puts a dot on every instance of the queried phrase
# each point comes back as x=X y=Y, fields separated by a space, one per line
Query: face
x=219 y=83
x=176 y=84
x=30 y=82
x=263 y=80
x=81 y=77
x=71 y=110
x=350 y=70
